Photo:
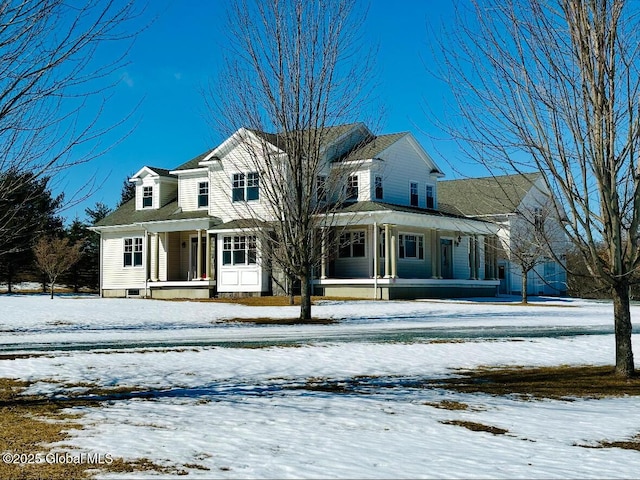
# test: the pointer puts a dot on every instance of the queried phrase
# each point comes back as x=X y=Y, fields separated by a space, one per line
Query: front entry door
x=446 y=257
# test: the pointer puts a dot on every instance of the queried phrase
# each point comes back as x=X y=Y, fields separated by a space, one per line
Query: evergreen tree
x=128 y=191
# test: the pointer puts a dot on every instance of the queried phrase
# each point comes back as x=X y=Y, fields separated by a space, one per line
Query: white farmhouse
x=187 y=232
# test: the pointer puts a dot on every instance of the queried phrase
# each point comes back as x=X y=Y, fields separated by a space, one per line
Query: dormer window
x=352 y=187
x=147 y=197
x=203 y=194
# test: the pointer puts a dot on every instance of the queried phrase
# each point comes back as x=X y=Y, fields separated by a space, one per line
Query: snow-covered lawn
x=222 y=408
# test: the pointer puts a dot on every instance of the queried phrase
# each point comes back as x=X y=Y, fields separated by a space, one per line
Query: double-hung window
x=411 y=246
x=239 y=250
x=352 y=187
x=379 y=192
x=133 y=252
x=430 y=197
x=237 y=190
x=203 y=194
x=147 y=197
x=253 y=186
x=352 y=244
x=245 y=186
x=321 y=188
x=414 y=194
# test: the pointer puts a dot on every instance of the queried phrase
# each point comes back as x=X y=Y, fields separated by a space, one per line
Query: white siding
x=114 y=273
x=188 y=191
x=220 y=186
x=402 y=165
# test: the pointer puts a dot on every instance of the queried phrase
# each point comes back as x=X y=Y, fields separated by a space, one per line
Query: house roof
x=128 y=215
x=330 y=134
x=193 y=163
x=373 y=147
x=485 y=196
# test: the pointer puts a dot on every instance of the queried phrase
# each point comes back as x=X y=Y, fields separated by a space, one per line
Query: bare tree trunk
x=622 y=321
x=525 y=287
x=305 y=296
x=52 y=287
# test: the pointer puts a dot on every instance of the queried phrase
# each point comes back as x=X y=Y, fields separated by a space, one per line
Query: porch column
x=155 y=257
x=323 y=253
x=438 y=255
x=376 y=250
x=387 y=251
x=394 y=249
x=496 y=246
x=472 y=257
x=207 y=272
x=434 y=254
x=199 y=256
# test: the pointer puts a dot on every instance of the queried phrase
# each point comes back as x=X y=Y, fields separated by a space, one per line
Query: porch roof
x=127 y=215
x=367 y=212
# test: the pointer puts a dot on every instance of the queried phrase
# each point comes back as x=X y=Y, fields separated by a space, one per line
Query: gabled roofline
x=154 y=172
x=238 y=137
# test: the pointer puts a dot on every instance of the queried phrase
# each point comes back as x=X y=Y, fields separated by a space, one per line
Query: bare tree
x=294 y=68
x=529 y=242
x=52 y=88
x=55 y=256
x=553 y=86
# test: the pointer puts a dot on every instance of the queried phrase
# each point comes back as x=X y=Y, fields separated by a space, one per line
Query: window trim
x=134 y=251
x=402 y=247
x=352 y=190
x=235 y=247
x=413 y=195
x=238 y=183
x=203 y=196
x=343 y=243
x=147 y=194
x=430 y=196
x=245 y=186
x=378 y=188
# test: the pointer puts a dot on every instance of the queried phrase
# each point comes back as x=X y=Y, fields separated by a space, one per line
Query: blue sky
x=176 y=55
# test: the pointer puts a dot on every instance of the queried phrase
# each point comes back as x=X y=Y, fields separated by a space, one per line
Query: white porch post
x=387 y=251
x=394 y=250
x=199 y=256
x=434 y=254
x=155 y=257
x=207 y=273
x=323 y=253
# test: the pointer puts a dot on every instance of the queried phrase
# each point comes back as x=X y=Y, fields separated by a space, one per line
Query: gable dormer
x=155 y=187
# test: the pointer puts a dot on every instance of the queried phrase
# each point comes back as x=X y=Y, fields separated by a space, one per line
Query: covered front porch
x=181 y=261
x=390 y=254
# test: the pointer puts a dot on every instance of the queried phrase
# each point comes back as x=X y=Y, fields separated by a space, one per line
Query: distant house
x=185 y=233
x=504 y=201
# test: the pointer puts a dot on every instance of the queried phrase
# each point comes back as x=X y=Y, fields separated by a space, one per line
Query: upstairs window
x=133 y=252
x=245 y=186
x=538 y=220
x=352 y=187
x=147 y=197
x=379 y=193
x=321 y=188
x=237 y=191
x=430 y=197
x=203 y=194
x=414 y=194
x=253 y=186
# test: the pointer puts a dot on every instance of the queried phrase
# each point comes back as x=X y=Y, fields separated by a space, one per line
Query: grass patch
x=280 y=321
x=448 y=405
x=30 y=423
x=265 y=301
x=561 y=382
x=476 y=427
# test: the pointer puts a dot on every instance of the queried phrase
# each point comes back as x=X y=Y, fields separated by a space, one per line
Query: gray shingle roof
x=375 y=206
x=128 y=215
x=373 y=147
x=163 y=172
x=485 y=196
x=194 y=162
